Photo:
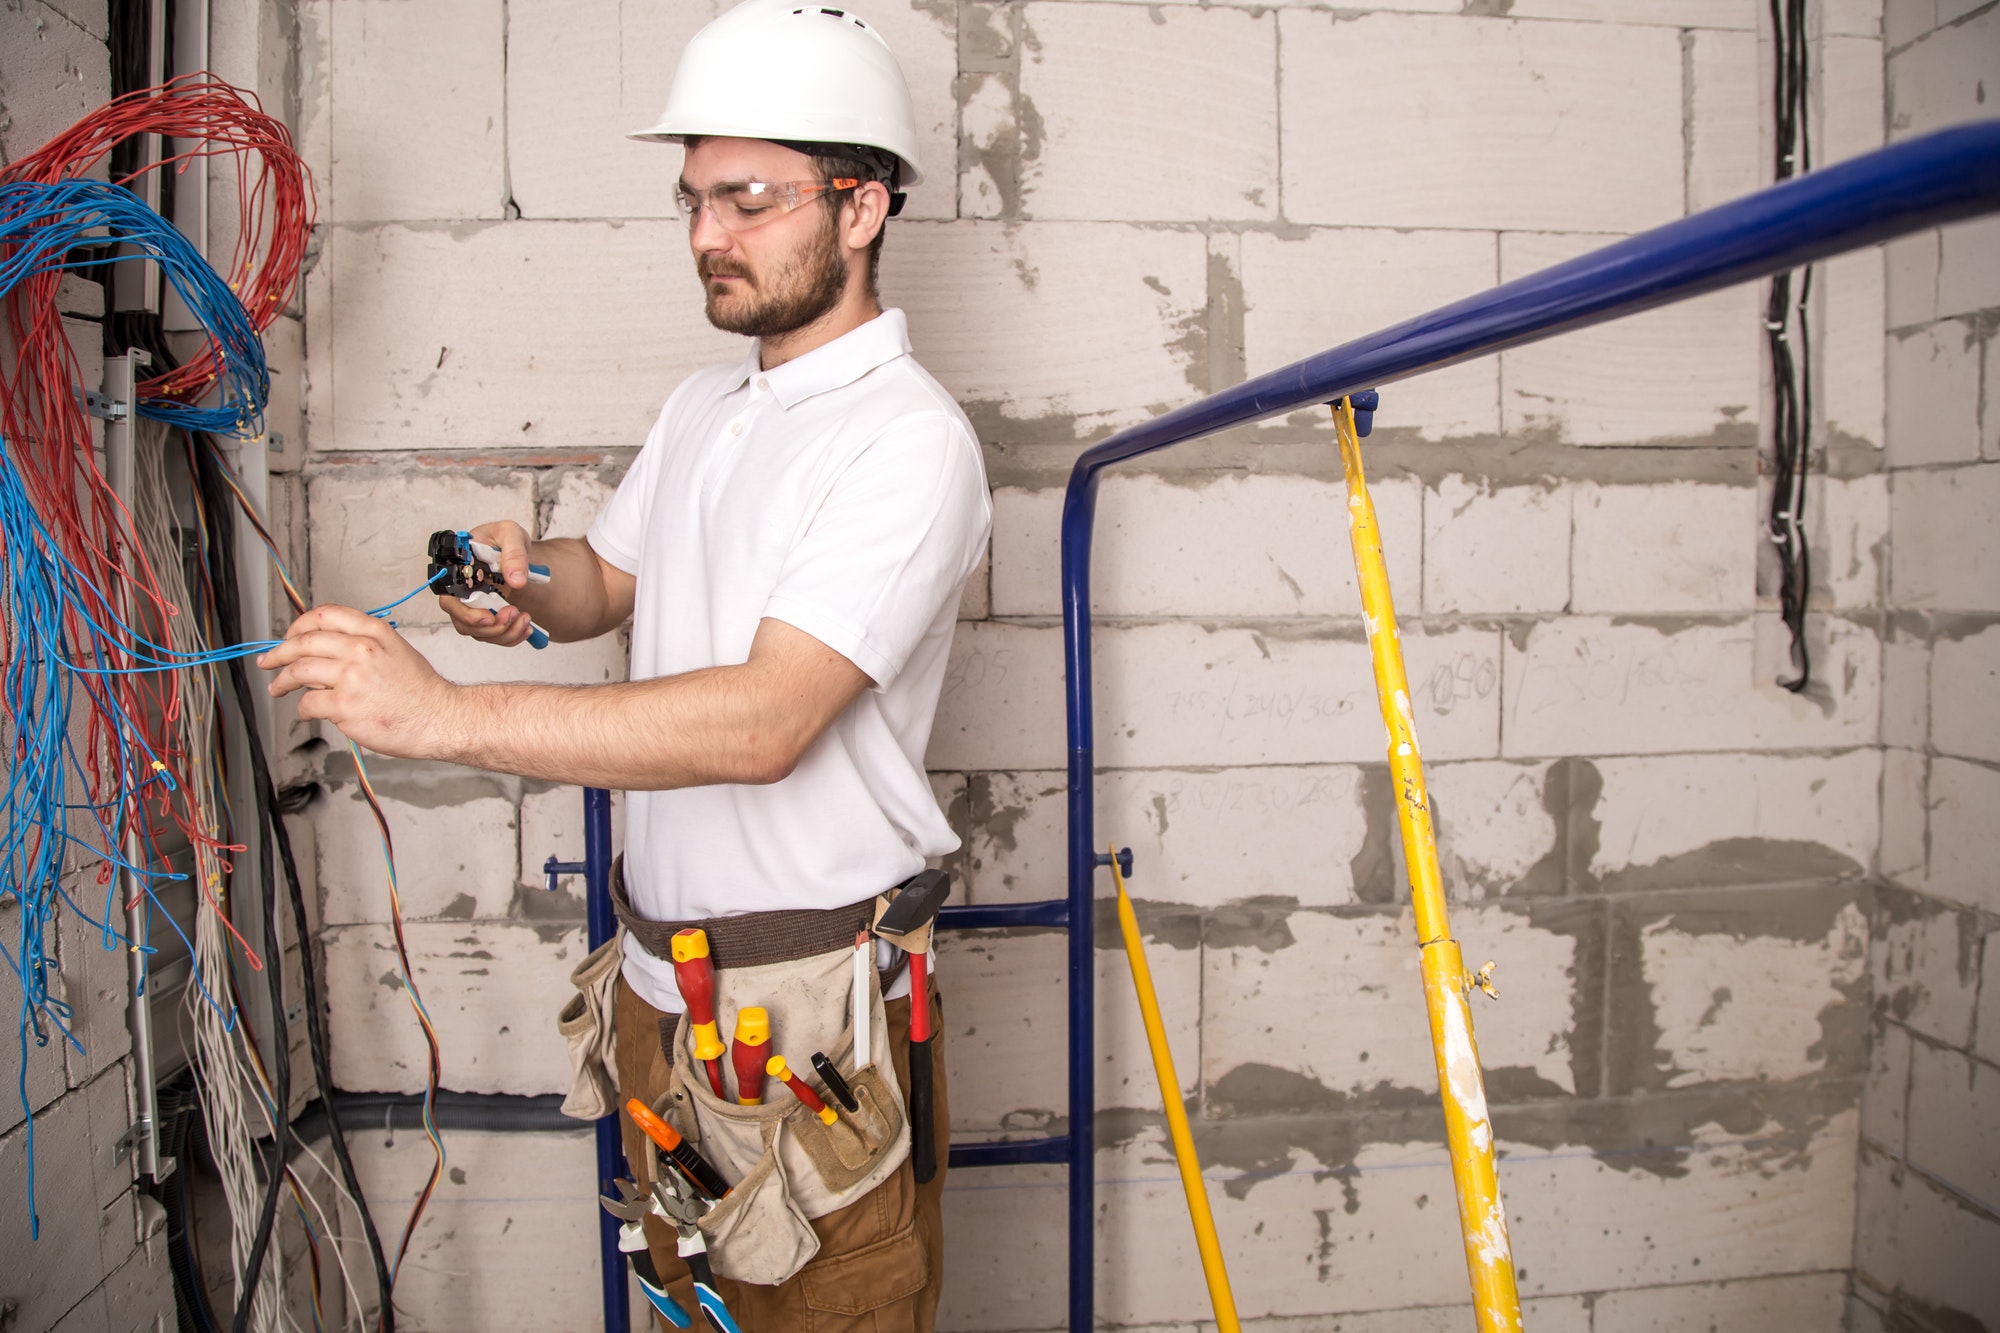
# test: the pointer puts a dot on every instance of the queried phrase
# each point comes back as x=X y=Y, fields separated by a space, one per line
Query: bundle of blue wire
x=49 y=604
x=67 y=225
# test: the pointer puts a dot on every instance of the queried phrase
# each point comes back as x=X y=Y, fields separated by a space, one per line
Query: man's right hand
x=510 y=625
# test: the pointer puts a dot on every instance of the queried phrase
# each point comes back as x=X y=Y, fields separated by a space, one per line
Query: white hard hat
x=777 y=69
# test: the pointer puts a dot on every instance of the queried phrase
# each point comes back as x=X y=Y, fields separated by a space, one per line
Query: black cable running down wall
x=1791 y=374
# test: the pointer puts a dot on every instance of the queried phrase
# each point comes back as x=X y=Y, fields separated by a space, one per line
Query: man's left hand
x=365 y=678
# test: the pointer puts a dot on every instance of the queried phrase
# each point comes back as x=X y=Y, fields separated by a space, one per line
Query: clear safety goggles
x=746 y=205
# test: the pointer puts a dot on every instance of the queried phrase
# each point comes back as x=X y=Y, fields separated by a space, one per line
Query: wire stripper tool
x=470 y=571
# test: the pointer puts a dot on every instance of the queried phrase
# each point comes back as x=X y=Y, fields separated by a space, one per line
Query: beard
x=795 y=293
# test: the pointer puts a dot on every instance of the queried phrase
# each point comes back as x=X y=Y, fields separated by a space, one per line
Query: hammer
x=906 y=923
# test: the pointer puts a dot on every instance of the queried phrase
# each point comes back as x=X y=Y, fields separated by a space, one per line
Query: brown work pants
x=880 y=1264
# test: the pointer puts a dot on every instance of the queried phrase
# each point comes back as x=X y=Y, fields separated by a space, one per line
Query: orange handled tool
x=747 y=1053
x=777 y=1068
x=695 y=974
x=691 y=1163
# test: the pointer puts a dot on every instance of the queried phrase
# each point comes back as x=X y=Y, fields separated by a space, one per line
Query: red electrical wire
x=44 y=422
x=41 y=413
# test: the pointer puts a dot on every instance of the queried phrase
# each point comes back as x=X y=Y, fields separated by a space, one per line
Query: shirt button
x=763 y=385
x=735 y=428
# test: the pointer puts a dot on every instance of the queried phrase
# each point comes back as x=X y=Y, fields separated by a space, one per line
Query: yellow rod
x=1177 y=1122
x=1489 y=1256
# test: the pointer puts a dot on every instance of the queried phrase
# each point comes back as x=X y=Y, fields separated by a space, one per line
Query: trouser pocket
x=872 y=1288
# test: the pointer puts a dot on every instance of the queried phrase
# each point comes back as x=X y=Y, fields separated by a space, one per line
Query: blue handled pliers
x=631 y=1208
x=680 y=1207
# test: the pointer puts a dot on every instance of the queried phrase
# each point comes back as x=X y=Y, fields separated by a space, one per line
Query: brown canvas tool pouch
x=585 y=1024
x=786 y=1165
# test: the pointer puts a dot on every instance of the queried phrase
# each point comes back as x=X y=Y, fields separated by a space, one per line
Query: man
x=790 y=546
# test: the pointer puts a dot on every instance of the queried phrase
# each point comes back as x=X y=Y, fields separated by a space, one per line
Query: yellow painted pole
x=1468 y=1131
x=1177 y=1122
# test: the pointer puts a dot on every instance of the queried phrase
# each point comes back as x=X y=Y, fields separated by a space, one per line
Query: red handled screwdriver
x=696 y=976
x=747 y=1054
x=778 y=1069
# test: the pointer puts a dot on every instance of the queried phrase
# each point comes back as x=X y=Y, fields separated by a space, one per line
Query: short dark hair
x=855 y=162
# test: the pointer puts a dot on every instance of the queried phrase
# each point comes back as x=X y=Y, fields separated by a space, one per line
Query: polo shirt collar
x=833 y=365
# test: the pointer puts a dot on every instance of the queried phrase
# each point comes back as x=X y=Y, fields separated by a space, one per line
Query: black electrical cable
x=180 y=1114
x=1791 y=376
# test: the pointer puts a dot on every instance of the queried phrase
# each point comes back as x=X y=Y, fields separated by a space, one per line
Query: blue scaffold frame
x=1944 y=177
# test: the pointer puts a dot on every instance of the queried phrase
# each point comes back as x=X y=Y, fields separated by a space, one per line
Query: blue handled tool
x=470 y=571
x=680 y=1206
x=631 y=1208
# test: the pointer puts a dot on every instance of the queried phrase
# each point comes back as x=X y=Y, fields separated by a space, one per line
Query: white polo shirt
x=842 y=493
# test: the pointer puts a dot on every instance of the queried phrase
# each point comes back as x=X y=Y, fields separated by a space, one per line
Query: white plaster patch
x=1748 y=1008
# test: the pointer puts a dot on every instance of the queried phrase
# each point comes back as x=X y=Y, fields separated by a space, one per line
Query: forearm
x=573 y=604
x=709 y=726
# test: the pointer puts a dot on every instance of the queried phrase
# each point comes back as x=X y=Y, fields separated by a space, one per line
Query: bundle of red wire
x=44 y=422
x=42 y=413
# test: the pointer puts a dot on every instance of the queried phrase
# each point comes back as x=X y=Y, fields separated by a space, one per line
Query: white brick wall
x=1653 y=550
x=492 y=989
x=1585 y=685
x=1028 y=357
x=1131 y=205
x=1487 y=123
x=422 y=109
x=484 y=337
x=1188 y=546
x=1125 y=121
x=1495 y=550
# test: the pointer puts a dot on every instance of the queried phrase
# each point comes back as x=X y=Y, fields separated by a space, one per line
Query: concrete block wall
x=1929 y=1189
x=1669 y=857
x=100 y=1261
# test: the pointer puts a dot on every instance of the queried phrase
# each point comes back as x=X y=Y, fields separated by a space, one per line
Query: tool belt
x=756 y=939
x=751 y=939
x=784 y=1165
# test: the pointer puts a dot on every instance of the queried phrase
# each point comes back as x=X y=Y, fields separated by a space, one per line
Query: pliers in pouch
x=631 y=1208
x=679 y=1206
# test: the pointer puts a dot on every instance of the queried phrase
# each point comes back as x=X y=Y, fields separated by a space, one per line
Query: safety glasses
x=746 y=205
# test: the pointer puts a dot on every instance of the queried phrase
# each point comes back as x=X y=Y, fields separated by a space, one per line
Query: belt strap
x=750 y=939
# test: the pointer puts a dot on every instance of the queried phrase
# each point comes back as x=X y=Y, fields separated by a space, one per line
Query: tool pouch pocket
x=787 y=1166
x=585 y=1024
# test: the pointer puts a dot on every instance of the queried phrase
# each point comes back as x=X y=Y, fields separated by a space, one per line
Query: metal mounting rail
x=1926 y=182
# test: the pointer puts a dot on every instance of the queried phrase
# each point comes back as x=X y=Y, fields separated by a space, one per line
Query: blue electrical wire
x=66 y=226
x=65 y=639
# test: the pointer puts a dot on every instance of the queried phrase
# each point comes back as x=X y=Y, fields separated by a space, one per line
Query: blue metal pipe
x=1016 y=1152
x=1000 y=916
x=610 y=1150
x=1926 y=182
